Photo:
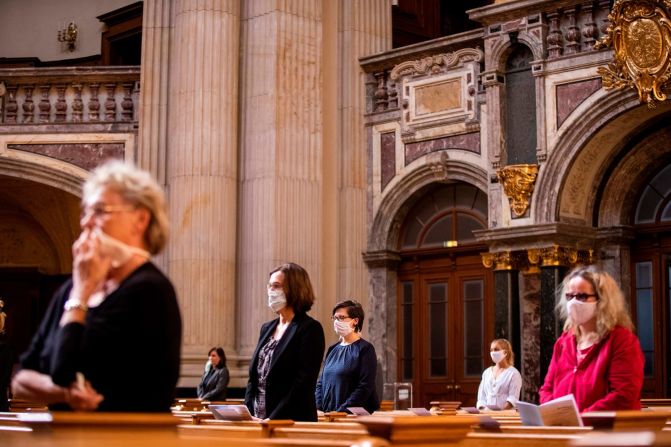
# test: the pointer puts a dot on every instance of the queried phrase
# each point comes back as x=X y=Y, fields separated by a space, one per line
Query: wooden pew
x=626 y=420
x=277 y=429
x=518 y=440
x=140 y=430
x=630 y=439
x=657 y=402
x=419 y=431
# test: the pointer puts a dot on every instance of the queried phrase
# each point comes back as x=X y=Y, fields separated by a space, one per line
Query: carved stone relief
x=640 y=34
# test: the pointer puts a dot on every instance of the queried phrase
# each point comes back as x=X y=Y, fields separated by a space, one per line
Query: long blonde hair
x=611 y=308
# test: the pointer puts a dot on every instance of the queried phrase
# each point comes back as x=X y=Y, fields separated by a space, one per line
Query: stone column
x=551 y=277
x=507 y=308
x=530 y=291
x=382 y=313
x=202 y=175
x=281 y=153
x=153 y=110
x=364 y=29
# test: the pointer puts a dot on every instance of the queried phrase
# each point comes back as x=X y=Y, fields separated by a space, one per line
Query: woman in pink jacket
x=598 y=358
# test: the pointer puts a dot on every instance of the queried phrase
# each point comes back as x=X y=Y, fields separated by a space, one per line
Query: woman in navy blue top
x=348 y=377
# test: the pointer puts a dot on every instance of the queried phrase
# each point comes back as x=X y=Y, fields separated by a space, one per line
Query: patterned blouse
x=262 y=370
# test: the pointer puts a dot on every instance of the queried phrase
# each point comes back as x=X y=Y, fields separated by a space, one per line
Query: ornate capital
x=502 y=260
x=528 y=261
x=436 y=64
x=518 y=184
x=640 y=34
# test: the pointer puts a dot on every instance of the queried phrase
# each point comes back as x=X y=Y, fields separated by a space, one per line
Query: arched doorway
x=651 y=280
x=38 y=224
x=444 y=295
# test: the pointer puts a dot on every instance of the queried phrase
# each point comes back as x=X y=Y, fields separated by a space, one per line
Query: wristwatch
x=74 y=303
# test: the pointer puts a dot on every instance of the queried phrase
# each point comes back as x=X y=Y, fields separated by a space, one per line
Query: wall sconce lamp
x=68 y=36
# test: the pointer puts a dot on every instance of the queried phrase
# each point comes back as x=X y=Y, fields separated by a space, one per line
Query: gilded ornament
x=518 y=183
x=640 y=35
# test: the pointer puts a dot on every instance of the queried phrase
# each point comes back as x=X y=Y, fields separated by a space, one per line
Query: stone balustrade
x=382 y=95
x=69 y=95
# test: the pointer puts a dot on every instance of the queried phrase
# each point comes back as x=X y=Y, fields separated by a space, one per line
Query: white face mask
x=117 y=251
x=276 y=300
x=342 y=328
x=580 y=312
x=208 y=366
x=497 y=356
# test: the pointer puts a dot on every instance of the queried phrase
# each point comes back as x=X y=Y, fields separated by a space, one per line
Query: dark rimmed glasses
x=579 y=296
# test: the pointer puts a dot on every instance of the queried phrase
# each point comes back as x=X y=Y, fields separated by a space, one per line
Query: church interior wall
x=38 y=39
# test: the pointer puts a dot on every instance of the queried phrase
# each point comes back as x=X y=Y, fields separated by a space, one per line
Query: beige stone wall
x=297 y=191
x=25 y=33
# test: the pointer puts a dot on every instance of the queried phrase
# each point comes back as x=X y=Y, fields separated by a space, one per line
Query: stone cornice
x=617 y=234
x=537 y=236
x=382 y=258
x=389 y=59
x=516 y=9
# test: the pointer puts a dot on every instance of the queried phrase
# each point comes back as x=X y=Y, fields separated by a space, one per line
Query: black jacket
x=137 y=321
x=294 y=368
x=213 y=385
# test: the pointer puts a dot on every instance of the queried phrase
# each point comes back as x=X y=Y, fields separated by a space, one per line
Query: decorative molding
x=381 y=259
x=640 y=35
x=518 y=183
x=437 y=162
x=530 y=260
x=435 y=64
x=499 y=261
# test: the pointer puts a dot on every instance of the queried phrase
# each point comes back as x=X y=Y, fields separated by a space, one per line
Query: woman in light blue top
x=501 y=384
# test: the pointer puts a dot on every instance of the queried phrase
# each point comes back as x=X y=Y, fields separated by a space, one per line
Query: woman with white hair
x=598 y=358
x=117 y=312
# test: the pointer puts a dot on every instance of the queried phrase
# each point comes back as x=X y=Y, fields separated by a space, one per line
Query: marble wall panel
x=467 y=141
x=387 y=158
x=572 y=94
x=85 y=155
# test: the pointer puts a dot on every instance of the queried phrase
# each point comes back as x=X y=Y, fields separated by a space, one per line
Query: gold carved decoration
x=518 y=183
x=529 y=261
x=640 y=34
x=500 y=261
x=556 y=256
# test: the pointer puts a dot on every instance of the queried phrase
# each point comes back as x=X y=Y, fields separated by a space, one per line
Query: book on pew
x=359 y=411
x=562 y=411
x=419 y=411
x=230 y=412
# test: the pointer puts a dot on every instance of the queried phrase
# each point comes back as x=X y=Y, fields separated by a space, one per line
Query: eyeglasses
x=340 y=317
x=579 y=296
x=100 y=210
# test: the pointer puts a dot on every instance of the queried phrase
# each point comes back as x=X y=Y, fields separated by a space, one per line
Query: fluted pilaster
x=281 y=150
x=365 y=29
x=153 y=131
x=202 y=174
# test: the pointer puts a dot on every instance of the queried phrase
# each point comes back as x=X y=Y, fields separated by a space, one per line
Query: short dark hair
x=354 y=310
x=222 y=356
x=297 y=287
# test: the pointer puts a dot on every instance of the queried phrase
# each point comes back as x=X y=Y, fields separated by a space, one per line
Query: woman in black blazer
x=285 y=365
x=214 y=382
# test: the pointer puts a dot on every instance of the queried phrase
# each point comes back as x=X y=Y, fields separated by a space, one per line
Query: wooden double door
x=445 y=326
x=651 y=312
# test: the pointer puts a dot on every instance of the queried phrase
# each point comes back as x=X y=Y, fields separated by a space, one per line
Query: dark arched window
x=446 y=217
x=654 y=205
x=520 y=108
